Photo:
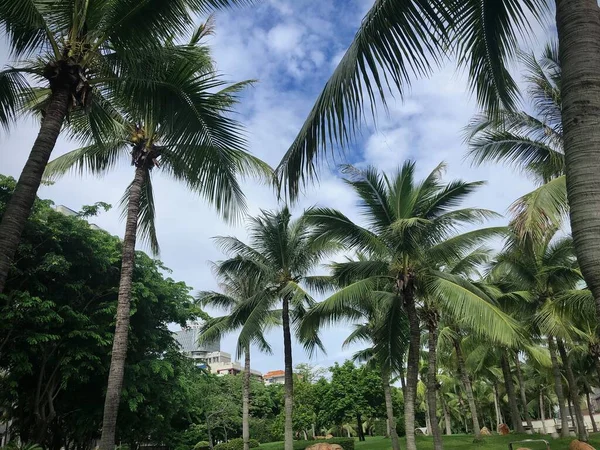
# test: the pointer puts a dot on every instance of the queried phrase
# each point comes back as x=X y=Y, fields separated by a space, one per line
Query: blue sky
x=291 y=47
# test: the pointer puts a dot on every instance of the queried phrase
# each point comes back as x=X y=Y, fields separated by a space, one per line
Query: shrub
x=202 y=445
x=345 y=443
x=236 y=444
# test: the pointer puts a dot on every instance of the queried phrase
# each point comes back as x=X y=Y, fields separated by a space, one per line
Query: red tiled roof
x=274 y=373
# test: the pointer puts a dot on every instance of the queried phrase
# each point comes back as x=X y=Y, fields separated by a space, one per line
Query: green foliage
x=202 y=445
x=237 y=444
x=58 y=317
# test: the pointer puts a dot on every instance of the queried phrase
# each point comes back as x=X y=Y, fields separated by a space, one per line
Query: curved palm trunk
x=412 y=370
x=432 y=382
x=499 y=418
x=523 y=393
x=515 y=416
x=289 y=378
x=558 y=388
x=389 y=409
x=578 y=24
x=19 y=206
x=573 y=391
x=246 y=401
x=119 y=349
x=462 y=371
x=589 y=405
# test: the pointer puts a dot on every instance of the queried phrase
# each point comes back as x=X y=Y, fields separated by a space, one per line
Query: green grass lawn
x=462 y=442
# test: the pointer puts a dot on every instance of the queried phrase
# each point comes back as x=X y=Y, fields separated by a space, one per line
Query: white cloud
x=291 y=47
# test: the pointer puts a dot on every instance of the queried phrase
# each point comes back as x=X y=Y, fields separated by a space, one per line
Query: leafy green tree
x=398 y=41
x=238 y=289
x=355 y=393
x=411 y=234
x=281 y=253
x=58 y=325
x=184 y=131
x=73 y=50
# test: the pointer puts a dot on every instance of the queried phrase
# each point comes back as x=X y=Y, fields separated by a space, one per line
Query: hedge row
x=236 y=444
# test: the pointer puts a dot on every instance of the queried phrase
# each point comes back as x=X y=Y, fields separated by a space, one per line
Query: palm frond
x=394 y=41
x=13 y=89
x=541 y=209
x=473 y=308
x=487 y=33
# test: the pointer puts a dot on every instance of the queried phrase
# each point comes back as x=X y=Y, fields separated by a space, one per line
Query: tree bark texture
x=412 y=370
x=558 y=388
x=522 y=392
x=389 y=409
x=578 y=24
x=466 y=382
x=573 y=391
x=590 y=410
x=515 y=416
x=542 y=413
x=447 y=419
x=432 y=325
x=246 y=400
x=19 y=206
x=119 y=349
x=289 y=376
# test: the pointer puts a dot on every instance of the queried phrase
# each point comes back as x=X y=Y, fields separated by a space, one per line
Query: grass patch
x=460 y=441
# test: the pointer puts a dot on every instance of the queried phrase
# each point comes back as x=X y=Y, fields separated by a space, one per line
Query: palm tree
x=237 y=290
x=411 y=235
x=182 y=130
x=532 y=144
x=535 y=273
x=400 y=40
x=282 y=254
x=73 y=49
x=381 y=324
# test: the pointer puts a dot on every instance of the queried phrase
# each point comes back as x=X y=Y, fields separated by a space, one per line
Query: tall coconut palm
x=237 y=290
x=533 y=144
x=411 y=234
x=72 y=49
x=282 y=254
x=538 y=271
x=400 y=40
x=184 y=131
x=379 y=322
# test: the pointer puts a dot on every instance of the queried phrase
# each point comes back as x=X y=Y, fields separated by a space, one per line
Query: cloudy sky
x=291 y=47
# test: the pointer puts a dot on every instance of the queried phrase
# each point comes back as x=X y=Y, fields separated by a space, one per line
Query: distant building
x=274 y=377
x=220 y=363
x=69 y=212
x=188 y=342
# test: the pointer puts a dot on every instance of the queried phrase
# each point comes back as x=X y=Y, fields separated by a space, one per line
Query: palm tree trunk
x=246 y=401
x=359 y=427
x=389 y=409
x=573 y=391
x=589 y=405
x=289 y=377
x=462 y=371
x=19 y=206
x=119 y=349
x=542 y=413
x=578 y=24
x=432 y=381
x=499 y=419
x=515 y=416
x=558 y=388
x=447 y=420
x=412 y=370
x=523 y=393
